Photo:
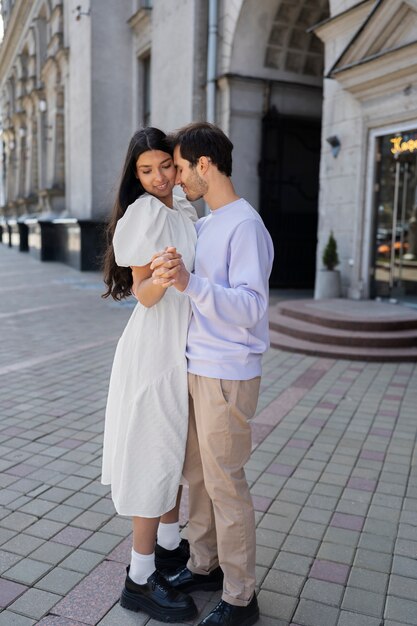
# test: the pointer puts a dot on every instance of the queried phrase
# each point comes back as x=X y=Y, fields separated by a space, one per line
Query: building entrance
x=395 y=252
x=289 y=185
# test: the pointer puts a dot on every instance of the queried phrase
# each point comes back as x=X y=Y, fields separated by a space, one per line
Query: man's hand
x=166 y=261
x=168 y=269
x=169 y=253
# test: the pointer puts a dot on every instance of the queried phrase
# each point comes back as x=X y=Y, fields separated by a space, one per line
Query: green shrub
x=330 y=257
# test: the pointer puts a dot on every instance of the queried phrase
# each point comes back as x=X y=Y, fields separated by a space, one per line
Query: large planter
x=76 y=242
x=14 y=237
x=79 y=243
x=4 y=232
x=328 y=285
x=41 y=241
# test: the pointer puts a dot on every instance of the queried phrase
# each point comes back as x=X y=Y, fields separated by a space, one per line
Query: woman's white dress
x=147 y=408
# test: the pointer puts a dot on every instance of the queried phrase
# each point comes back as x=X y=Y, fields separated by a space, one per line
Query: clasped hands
x=168 y=269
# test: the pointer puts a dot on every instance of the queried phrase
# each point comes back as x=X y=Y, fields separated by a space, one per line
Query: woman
x=147 y=407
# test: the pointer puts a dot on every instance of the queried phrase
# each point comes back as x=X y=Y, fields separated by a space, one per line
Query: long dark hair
x=119 y=279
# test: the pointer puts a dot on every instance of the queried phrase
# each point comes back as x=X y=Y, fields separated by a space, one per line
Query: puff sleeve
x=186 y=208
x=143 y=230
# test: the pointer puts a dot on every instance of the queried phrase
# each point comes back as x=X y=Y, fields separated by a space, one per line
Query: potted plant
x=328 y=279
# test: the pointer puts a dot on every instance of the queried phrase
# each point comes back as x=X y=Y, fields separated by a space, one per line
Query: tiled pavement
x=333 y=472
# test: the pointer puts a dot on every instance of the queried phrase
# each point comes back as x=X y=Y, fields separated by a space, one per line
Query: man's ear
x=203 y=164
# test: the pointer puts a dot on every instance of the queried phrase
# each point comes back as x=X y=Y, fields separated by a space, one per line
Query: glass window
x=146 y=90
x=395 y=249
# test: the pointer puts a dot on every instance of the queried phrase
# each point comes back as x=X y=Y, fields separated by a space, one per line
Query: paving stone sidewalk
x=332 y=473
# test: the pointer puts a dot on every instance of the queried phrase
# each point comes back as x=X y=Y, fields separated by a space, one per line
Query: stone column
x=52 y=192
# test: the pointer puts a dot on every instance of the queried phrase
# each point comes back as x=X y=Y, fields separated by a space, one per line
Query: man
x=227 y=335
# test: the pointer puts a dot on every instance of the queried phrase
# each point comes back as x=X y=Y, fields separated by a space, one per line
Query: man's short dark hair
x=203 y=139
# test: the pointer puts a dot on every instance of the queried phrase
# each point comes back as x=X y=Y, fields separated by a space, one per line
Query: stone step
x=351 y=353
x=363 y=315
x=317 y=333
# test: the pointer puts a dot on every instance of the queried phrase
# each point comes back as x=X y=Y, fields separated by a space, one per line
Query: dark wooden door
x=289 y=180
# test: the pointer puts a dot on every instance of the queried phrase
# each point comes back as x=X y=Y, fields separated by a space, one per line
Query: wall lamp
x=79 y=12
x=42 y=106
x=335 y=144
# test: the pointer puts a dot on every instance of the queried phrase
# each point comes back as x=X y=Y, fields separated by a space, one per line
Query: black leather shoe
x=225 y=614
x=158 y=599
x=170 y=560
x=184 y=580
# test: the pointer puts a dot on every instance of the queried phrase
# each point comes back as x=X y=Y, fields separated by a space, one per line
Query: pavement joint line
x=48 y=307
x=17 y=288
x=57 y=356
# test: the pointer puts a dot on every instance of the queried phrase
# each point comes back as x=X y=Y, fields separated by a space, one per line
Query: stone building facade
x=311 y=93
x=368 y=193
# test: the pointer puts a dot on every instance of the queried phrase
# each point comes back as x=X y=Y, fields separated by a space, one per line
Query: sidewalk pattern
x=333 y=472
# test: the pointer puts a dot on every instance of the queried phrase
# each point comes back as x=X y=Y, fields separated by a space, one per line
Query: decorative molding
x=337 y=24
x=412 y=4
x=51 y=63
x=233 y=76
x=384 y=73
x=384 y=30
x=140 y=23
x=18 y=24
x=140 y=19
x=62 y=56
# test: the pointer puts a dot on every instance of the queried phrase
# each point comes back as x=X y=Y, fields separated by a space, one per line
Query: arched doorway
x=274 y=97
x=291 y=145
x=289 y=187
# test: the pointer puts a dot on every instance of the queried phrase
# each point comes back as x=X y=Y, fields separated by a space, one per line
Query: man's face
x=192 y=184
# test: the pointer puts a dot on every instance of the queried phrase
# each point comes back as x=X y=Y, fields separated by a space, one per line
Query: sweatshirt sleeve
x=245 y=301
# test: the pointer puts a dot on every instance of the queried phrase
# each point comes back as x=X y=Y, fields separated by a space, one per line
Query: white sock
x=169 y=535
x=141 y=567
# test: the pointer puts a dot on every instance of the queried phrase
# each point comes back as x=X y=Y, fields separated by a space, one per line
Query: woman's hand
x=169 y=269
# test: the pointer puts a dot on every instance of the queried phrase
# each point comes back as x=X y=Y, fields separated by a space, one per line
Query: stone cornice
x=376 y=36
x=334 y=26
x=142 y=15
x=16 y=26
x=233 y=76
x=383 y=73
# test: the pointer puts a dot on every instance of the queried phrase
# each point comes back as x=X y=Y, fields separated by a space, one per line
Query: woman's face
x=156 y=173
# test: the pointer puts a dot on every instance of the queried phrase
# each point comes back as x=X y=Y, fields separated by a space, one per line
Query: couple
x=159 y=426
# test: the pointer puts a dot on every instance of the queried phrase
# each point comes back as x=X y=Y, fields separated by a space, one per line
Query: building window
x=395 y=242
x=146 y=90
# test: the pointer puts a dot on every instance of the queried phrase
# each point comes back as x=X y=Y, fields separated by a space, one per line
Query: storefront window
x=395 y=252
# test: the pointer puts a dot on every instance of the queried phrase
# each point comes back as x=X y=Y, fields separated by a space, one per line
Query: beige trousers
x=221 y=528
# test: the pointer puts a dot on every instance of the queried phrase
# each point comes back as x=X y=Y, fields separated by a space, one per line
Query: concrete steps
x=347 y=329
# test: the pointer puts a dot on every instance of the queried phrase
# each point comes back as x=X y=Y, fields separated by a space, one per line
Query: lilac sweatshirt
x=228 y=330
